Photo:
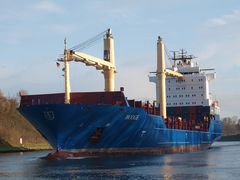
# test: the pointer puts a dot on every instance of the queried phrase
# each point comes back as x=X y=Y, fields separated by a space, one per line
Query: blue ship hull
x=96 y=128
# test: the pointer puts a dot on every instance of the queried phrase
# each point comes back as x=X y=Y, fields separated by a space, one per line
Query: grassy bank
x=8 y=148
x=36 y=147
x=235 y=137
x=16 y=133
x=26 y=147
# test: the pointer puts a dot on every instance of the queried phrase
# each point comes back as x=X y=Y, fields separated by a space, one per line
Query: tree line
x=231 y=126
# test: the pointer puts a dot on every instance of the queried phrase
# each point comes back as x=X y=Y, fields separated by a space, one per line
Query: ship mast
x=161 y=77
x=108 y=55
x=66 y=74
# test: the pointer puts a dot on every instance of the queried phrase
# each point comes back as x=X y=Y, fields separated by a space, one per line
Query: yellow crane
x=107 y=64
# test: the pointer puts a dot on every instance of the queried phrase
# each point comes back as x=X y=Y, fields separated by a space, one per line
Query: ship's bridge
x=192 y=89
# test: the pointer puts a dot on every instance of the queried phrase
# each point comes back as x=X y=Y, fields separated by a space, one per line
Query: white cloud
x=61 y=28
x=217 y=22
x=219 y=47
x=221 y=39
x=208 y=52
x=48 y=6
x=224 y=20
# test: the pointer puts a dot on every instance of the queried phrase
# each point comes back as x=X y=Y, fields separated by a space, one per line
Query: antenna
x=174 y=58
x=65 y=43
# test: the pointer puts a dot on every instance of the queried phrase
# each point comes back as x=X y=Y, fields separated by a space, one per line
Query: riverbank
x=16 y=133
x=235 y=137
x=6 y=148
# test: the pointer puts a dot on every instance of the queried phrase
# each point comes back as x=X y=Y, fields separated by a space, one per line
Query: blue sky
x=32 y=34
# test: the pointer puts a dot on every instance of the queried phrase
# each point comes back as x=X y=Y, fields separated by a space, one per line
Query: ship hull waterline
x=65 y=154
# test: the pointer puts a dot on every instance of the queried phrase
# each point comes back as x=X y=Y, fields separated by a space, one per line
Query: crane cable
x=89 y=42
x=168 y=54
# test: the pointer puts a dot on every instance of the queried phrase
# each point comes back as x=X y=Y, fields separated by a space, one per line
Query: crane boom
x=89 y=60
x=171 y=73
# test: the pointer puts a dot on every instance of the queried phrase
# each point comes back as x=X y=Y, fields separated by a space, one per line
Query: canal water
x=222 y=161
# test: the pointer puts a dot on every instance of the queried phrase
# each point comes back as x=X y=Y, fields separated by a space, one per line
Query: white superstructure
x=192 y=89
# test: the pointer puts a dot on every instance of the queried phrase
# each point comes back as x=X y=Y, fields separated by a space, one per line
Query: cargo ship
x=183 y=118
